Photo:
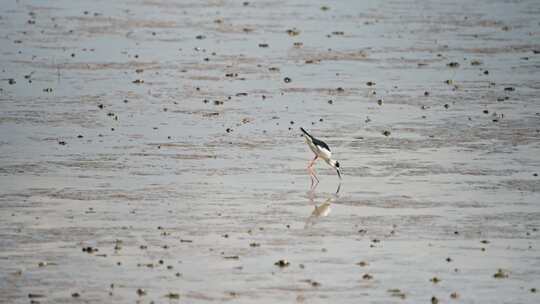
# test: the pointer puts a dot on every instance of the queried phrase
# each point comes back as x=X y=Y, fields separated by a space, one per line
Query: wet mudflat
x=150 y=151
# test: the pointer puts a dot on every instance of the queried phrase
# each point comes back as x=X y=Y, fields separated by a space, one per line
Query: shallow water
x=156 y=174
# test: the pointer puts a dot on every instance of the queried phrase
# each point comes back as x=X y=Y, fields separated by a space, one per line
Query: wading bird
x=321 y=150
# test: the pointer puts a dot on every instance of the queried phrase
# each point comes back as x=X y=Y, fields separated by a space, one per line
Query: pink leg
x=311 y=171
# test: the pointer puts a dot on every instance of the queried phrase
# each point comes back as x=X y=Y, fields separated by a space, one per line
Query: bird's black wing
x=315 y=141
x=305 y=132
x=320 y=143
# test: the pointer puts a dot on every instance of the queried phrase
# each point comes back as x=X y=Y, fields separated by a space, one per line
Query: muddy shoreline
x=150 y=151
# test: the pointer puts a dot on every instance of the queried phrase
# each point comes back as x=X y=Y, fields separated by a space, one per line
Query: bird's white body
x=318 y=150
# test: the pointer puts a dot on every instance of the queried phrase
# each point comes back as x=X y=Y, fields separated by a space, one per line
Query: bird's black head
x=337 y=164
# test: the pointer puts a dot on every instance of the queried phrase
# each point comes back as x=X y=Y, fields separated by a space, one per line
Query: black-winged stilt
x=321 y=150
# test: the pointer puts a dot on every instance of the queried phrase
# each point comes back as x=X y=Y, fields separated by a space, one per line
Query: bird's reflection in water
x=321 y=210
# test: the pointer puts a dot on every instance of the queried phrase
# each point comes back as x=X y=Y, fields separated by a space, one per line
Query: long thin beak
x=338 y=173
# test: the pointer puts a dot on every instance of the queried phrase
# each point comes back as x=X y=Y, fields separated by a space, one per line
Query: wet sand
x=150 y=151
